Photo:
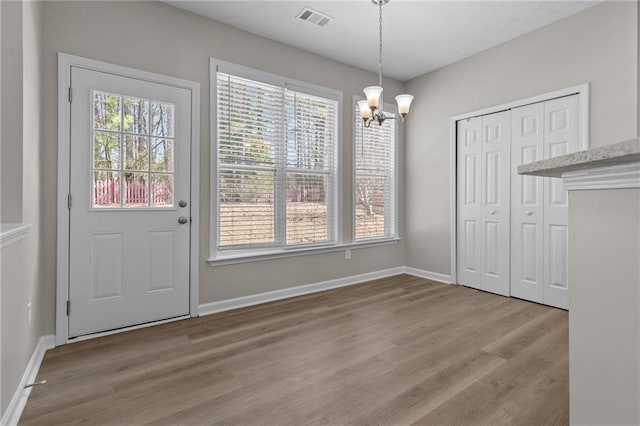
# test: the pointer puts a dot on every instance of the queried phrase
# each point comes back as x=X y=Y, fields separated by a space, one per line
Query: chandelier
x=371 y=109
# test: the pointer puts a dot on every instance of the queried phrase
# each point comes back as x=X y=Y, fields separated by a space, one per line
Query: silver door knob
x=182 y=203
x=529 y=213
x=182 y=220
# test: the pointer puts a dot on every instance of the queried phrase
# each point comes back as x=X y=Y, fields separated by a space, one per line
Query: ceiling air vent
x=314 y=17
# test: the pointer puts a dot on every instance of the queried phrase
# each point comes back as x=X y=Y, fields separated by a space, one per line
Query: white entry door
x=130 y=202
x=483 y=202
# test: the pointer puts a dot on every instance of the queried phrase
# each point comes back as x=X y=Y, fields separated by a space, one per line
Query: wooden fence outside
x=107 y=193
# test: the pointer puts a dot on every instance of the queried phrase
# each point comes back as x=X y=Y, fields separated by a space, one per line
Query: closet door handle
x=492 y=212
x=528 y=213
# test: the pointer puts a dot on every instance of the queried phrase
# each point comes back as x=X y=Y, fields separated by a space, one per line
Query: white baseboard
x=285 y=293
x=16 y=405
x=433 y=276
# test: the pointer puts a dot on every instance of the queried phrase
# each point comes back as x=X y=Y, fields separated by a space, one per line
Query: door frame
x=581 y=90
x=65 y=63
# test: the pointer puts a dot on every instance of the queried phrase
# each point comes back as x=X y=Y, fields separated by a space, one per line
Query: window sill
x=12 y=233
x=279 y=254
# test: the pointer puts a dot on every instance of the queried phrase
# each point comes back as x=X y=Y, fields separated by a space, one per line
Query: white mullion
x=388 y=195
x=387 y=204
x=393 y=176
x=298 y=171
x=247 y=167
x=280 y=224
x=333 y=183
x=219 y=167
x=149 y=149
x=122 y=143
x=374 y=174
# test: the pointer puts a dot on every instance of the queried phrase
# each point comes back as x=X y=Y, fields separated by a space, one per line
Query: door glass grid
x=133 y=152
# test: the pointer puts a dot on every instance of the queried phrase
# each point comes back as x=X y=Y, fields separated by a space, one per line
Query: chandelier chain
x=380 y=52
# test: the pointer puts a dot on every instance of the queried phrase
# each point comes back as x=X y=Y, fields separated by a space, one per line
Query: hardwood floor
x=400 y=350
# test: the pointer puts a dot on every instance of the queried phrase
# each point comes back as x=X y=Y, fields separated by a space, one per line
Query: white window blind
x=276 y=165
x=375 y=179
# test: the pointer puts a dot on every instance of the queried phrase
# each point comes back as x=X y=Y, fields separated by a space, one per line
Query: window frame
x=391 y=230
x=236 y=254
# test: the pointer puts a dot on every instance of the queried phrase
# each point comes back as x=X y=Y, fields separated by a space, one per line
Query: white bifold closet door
x=539 y=208
x=483 y=202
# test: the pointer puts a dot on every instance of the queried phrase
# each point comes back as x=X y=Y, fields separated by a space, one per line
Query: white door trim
x=582 y=90
x=65 y=62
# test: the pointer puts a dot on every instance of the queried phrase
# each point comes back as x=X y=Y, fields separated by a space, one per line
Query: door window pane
x=136 y=116
x=106 y=189
x=106 y=150
x=162 y=122
x=135 y=190
x=162 y=190
x=136 y=153
x=106 y=111
x=162 y=155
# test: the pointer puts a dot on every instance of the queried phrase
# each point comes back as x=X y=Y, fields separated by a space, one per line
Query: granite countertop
x=610 y=155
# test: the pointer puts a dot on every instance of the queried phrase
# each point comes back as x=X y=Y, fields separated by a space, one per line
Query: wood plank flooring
x=400 y=350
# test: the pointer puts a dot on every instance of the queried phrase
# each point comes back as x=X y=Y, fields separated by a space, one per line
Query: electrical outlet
x=347 y=254
x=28 y=314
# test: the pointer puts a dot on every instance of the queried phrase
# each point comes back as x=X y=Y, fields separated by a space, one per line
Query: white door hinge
x=70 y=95
x=69 y=201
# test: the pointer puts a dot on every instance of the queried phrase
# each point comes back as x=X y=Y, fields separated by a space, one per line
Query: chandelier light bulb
x=404 y=103
x=373 y=96
x=365 y=111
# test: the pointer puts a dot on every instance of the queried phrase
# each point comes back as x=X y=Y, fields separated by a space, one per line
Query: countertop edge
x=12 y=232
x=616 y=154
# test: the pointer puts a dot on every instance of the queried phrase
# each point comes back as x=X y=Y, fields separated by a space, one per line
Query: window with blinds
x=276 y=165
x=375 y=179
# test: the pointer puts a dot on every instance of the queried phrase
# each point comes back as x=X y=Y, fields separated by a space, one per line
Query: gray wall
x=11 y=171
x=604 y=325
x=1 y=269
x=597 y=46
x=20 y=280
x=179 y=44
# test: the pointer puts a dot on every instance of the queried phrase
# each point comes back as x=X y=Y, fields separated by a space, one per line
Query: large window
x=375 y=179
x=276 y=162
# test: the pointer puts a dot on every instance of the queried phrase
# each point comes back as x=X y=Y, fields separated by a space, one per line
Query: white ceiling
x=419 y=36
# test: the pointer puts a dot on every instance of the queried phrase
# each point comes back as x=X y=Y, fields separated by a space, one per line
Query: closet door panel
x=527 y=254
x=469 y=234
x=495 y=188
x=561 y=136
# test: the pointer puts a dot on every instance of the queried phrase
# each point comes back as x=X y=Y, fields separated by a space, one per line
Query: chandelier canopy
x=371 y=109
